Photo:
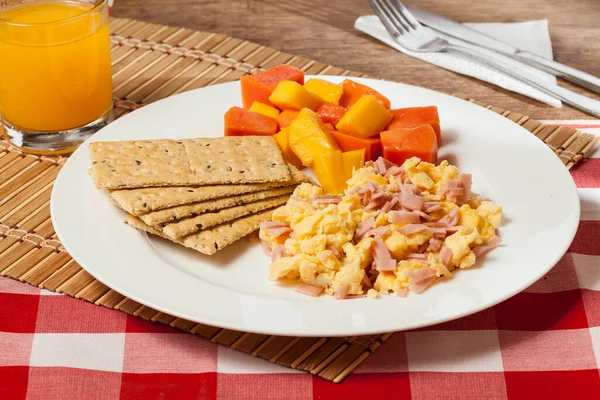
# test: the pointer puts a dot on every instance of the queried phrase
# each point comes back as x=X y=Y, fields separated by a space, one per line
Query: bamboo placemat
x=151 y=62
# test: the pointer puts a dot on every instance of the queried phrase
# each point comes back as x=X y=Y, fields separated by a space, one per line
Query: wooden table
x=323 y=30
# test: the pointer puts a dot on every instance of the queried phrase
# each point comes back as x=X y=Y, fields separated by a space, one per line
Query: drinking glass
x=55 y=73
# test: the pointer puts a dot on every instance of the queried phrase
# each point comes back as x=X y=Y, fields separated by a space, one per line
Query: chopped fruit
x=328 y=168
x=353 y=91
x=282 y=139
x=264 y=109
x=259 y=87
x=290 y=95
x=415 y=116
x=241 y=122
x=308 y=137
x=327 y=91
x=330 y=113
x=371 y=145
x=367 y=117
x=285 y=118
x=353 y=160
x=401 y=144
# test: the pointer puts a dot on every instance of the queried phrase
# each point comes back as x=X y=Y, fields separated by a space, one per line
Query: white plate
x=231 y=288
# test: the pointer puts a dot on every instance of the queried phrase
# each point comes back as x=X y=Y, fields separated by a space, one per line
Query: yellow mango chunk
x=282 y=139
x=354 y=159
x=328 y=168
x=308 y=137
x=327 y=91
x=290 y=95
x=367 y=117
x=264 y=109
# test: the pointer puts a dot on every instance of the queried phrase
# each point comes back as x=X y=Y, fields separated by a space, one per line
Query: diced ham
x=310 y=290
x=362 y=228
x=327 y=199
x=366 y=196
x=409 y=188
x=442 y=191
x=466 y=181
x=420 y=279
x=412 y=229
x=266 y=247
x=278 y=251
x=434 y=244
x=377 y=232
x=412 y=201
x=275 y=228
x=453 y=183
x=403 y=217
x=417 y=256
x=388 y=206
x=453 y=229
x=439 y=235
x=423 y=247
x=377 y=201
x=394 y=171
x=438 y=224
x=402 y=292
x=457 y=191
x=491 y=244
x=438 y=230
x=446 y=255
x=451 y=218
x=342 y=292
x=431 y=206
x=423 y=215
x=382 y=165
x=382 y=256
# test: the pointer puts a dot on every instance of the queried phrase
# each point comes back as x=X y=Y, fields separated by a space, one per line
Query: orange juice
x=55 y=72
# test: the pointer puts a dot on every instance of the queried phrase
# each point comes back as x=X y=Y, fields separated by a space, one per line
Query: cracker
x=201 y=222
x=174 y=213
x=205 y=161
x=211 y=240
x=143 y=200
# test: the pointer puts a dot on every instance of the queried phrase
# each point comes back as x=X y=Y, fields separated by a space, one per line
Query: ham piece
x=491 y=244
x=446 y=255
x=278 y=251
x=362 y=228
x=411 y=201
x=420 y=279
x=327 y=199
x=310 y=290
x=412 y=229
x=275 y=228
x=403 y=217
x=382 y=256
x=342 y=292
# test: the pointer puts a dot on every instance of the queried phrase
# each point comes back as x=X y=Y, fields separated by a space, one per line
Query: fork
x=410 y=34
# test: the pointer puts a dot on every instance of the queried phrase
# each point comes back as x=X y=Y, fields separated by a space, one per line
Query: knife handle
x=576 y=100
x=564 y=71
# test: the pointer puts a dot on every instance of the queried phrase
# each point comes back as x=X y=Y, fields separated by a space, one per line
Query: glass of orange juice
x=55 y=73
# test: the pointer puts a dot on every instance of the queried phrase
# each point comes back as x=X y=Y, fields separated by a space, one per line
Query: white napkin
x=532 y=36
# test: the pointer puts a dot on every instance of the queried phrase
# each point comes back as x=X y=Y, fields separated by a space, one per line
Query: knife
x=467 y=34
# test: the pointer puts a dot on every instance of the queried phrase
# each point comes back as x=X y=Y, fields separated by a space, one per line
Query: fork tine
x=385 y=17
x=386 y=14
x=407 y=15
x=396 y=9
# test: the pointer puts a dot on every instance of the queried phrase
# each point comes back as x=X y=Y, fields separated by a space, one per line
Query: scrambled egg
x=325 y=249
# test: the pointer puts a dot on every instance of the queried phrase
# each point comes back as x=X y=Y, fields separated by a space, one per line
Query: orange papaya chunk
x=354 y=91
x=415 y=116
x=371 y=145
x=401 y=144
x=258 y=87
x=241 y=122
x=285 y=118
x=330 y=113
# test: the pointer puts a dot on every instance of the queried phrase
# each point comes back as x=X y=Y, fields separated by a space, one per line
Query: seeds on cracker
x=211 y=240
x=205 y=161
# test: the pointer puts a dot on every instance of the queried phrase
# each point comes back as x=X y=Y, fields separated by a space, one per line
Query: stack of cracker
x=201 y=193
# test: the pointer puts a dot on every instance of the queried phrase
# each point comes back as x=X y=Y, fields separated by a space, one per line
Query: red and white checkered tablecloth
x=543 y=343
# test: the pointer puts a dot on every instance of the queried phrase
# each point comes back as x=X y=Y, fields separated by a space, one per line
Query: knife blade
x=472 y=36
